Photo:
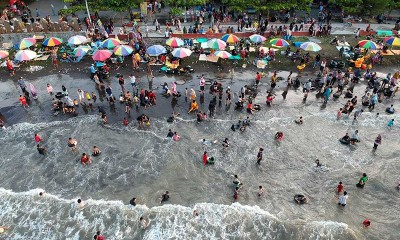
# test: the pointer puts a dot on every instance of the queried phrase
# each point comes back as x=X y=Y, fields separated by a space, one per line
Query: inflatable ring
x=344 y=141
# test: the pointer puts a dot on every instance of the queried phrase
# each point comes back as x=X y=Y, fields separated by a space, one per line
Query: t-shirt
x=259 y=155
x=340 y=188
x=343 y=199
x=22 y=100
x=165 y=197
x=132 y=202
x=364 y=179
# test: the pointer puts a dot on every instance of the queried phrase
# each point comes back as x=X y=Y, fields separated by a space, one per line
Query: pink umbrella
x=101 y=55
x=3 y=54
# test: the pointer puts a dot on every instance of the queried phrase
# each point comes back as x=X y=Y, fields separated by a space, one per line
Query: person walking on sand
x=49 y=89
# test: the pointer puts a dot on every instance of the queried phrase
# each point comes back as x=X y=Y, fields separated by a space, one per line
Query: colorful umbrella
x=394 y=41
x=368 y=44
x=26 y=42
x=201 y=40
x=223 y=54
x=53 y=41
x=256 y=38
x=101 y=55
x=181 y=52
x=174 y=42
x=230 y=38
x=76 y=40
x=156 y=50
x=123 y=50
x=110 y=43
x=3 y=54
x=81 y=51
x=279 y=42
x=25 y=55
x=216 y=44
x=310 y=46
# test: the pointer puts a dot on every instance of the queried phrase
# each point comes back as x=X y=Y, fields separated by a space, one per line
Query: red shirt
x=9 y=65
x=152 y=95
x=84 y=159
x=249 y=106
x=125 y=122
x=100 y=237
x=258 y=77
x=37 y=138
x=205 y=159
x=22 y=100
x=340 y=188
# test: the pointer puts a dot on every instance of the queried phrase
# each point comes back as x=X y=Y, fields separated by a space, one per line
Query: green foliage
x=185 y=3
x=263 y=6
x=176 y=11
x=120 y=5
x=69 y=1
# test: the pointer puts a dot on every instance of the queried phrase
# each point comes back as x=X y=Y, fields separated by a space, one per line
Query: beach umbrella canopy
x=25 y=55
x=156 y=50
x=53 y=41
x=216 y=44
x=174 y=42
x=81 y=51
x=123 y=50
x=256 y=38
x=181 y=52
x=230 y=38
x=394 y=41
x=3 y=54
x=77 y=40
x=368 y=44
x=101 y=55
x=26 y=42
x=279 y=42
x=201 y=40
x=110 y=43
x=223 y=54
x=310 y=46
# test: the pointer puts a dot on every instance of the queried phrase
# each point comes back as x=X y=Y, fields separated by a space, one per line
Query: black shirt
x=259 y=155
x=132 y=202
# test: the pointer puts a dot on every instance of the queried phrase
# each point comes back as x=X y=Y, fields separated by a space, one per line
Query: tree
x=349 y=6
x=392 y=5
x=263 y=6
x=371 y=7
x=120 y=5
x=185 y=3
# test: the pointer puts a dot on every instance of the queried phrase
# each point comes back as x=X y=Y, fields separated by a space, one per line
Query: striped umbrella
x=230 y=38
x=101 y=55
x=223 y=54
x=394 y=41
x=123 y=50
x=81 y=51
x=256 y=38
x=3 y=54
x=156 y=50
x=368 y=44
x=181 y=52
x=216 y=44
x=310 y=46
x=174 y=42
x=25 y=55
x=279 y=42
x=110 y=43
x=53 y=41
x=26 y=42
x=77 y=40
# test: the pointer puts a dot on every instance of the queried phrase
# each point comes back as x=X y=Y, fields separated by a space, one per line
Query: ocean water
x=141 y=163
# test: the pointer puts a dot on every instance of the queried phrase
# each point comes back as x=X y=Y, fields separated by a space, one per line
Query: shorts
x=202 y=88
x=257 y=82
x=55 y=62
x=340 y=204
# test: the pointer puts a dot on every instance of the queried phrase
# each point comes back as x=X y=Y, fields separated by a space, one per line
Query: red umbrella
x=12 y=2
x=101 y=55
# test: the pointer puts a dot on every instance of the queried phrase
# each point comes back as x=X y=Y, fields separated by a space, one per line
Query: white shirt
x=202 y=82
x=133 y=79
x=343 y=199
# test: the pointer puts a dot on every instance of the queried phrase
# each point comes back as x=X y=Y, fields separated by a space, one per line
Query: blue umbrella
x=156 y=50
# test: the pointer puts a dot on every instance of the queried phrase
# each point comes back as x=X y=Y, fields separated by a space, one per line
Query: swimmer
x=96 y=151
x=85 y=159
x=206 y=142
x=125 y=121
x=259 y=155
x=398 y=186
x=41 y=150
x=38 y=138
x=236 y=193
x=81 y=204
x=164 y=197
x=225 y=143
x=260 y=191
x=345 y=139
x=366 y=223
x=363 y=180
x=143 y=223
x=2 y=125
x=236 y=181
x=170 y=134
x=300 y=199
x=72 y=143
x=279 y=136
x=41 y=194
x=299 y=121
x=133 y=202
x=318 y=163
x=340 y=187
x=205 y=158
x=98 y=236
x=390 y=123
x=195 y=213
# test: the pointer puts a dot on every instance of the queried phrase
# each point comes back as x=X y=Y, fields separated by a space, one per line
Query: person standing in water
x=38 y=138
x=343 y=199
x=259 y=156
x=41 y=150
x=260 y=191
x=164 y=197
x=363 y=180
x=378 y=141
x=72 y=143
x=340 y=188
x=85 y=160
